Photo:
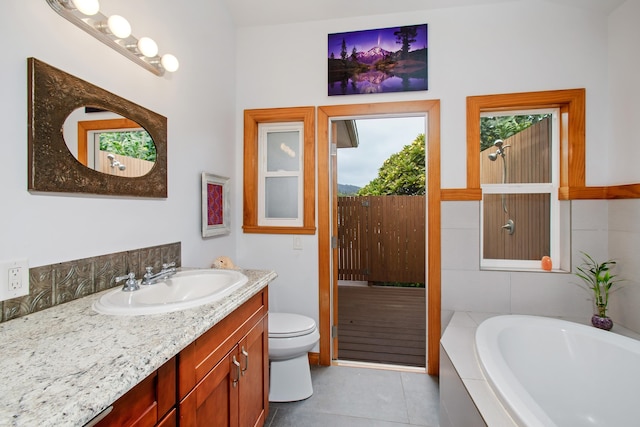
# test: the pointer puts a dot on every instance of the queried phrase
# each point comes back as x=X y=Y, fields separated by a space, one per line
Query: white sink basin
x=186 y=289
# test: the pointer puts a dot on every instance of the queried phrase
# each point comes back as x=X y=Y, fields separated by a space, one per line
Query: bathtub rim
x=520 y=405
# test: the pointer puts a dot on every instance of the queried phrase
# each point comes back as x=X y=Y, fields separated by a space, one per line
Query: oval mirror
x=109 y=143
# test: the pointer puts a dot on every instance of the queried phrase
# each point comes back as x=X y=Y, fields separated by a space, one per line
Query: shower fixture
x=115 y=163
x=500 y=150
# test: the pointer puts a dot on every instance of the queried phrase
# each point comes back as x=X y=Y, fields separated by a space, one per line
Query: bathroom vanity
x=69 y=366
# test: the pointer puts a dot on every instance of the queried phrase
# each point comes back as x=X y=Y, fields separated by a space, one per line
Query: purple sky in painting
x=365 y=40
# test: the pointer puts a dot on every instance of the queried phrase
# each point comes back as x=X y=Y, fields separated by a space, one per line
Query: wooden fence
x=134 y=167
x=382 y=238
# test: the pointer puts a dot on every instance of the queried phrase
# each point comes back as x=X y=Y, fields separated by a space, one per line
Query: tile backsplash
x=54 y=284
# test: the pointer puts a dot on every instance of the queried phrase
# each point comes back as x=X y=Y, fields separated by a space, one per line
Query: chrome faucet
x=131 y=284
x=167 y=271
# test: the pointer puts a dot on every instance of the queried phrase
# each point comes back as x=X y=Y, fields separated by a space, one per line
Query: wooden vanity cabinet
x=223 y=376
x=150 y=403
x=220 y=379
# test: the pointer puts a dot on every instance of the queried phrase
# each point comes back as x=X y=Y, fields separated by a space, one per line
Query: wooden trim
x=432 y=109
x=434 y=271
x=629 y=191
x=582 y=193
x=314 y=358
x=626 y=191
x=460 y=194
x=252 y=118
x=334 y=232
x=324 y=238
x=571 y=103
x=86 y=126
x=257 y=229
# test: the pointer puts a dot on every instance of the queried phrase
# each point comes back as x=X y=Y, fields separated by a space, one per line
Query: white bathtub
x=551 y=372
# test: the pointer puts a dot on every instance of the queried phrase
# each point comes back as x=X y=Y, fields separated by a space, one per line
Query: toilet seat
x=287 y=325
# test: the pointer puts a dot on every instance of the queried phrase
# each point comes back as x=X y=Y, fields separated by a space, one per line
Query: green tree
x=136 y=144
x=403 y=173
x=405 y=36
x=502 y=127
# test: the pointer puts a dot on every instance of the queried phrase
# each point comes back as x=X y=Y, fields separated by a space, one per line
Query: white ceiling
x=274 y=12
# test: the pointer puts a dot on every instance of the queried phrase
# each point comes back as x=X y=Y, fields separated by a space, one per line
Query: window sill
x=523 y=270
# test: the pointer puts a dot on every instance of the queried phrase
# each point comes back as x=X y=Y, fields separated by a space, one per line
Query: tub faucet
x=131 y=284
x=167 y=271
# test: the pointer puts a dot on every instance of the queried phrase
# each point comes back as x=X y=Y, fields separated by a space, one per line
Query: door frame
x=327 y=280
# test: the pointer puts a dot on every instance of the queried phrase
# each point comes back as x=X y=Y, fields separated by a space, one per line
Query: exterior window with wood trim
x=119 y=147
x=520 y=215
x=279 y=171
x=524 y=181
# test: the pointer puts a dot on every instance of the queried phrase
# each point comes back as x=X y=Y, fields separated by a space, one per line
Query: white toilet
x=291 y=337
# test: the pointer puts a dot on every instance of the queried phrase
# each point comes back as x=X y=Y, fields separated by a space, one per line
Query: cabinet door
x=147 y=402
x=254 y=361
x=214 y=401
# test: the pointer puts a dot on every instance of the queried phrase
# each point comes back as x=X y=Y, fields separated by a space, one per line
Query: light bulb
x=119 y=26
x=147 y=47
x=87 y=7
x=169 y=62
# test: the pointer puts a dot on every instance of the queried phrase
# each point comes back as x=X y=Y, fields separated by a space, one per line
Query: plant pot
x=602 y=322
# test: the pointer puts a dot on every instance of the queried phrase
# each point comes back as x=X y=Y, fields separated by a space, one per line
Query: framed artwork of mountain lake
x=378 y=61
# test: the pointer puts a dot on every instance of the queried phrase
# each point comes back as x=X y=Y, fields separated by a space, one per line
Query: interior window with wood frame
x=526 y=159
x=279 y=171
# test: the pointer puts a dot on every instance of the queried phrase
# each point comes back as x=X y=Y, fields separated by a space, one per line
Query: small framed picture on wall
x=215 y=205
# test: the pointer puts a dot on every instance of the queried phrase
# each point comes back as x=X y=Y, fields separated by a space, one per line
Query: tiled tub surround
x=63 y=366
x=466 y=399
x=54 y=284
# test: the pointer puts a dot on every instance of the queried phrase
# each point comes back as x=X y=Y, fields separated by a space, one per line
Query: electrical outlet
x=14 y=279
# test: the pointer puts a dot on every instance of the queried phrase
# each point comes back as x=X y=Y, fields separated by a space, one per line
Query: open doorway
x=326 y=229
x=381 y=240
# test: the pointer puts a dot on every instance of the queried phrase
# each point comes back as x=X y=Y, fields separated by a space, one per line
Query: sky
x=379 y=139
x=367 y=39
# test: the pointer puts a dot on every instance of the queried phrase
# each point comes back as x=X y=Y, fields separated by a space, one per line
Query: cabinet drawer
x=198 y=358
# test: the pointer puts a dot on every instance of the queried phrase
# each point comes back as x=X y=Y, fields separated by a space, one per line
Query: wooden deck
x=382 y=325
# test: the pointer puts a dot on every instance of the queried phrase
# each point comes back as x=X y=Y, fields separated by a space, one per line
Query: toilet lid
x=283 y=325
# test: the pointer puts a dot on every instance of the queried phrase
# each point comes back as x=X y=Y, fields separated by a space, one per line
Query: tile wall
x=54 y=284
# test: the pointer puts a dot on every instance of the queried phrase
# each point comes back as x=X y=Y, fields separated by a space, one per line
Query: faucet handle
x=131 y=284
x=149 y=272
x=166 y=266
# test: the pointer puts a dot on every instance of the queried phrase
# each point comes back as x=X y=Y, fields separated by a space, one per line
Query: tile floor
x=345 y=396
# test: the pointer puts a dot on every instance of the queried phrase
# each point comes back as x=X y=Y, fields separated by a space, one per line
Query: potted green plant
x=598 y=277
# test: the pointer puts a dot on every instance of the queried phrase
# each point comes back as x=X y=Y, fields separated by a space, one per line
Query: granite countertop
x=64 y=365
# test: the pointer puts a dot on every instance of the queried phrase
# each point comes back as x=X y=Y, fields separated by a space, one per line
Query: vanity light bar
x=115 y=31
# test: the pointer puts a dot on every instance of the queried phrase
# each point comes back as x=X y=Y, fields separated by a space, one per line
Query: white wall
x=199 y=101
x=466 y=288
x=515 y=47
x=624 y=146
